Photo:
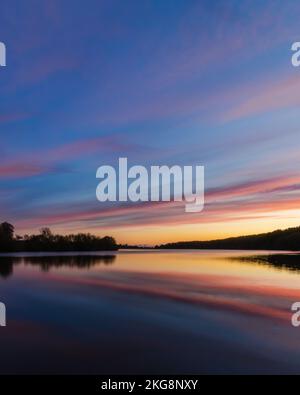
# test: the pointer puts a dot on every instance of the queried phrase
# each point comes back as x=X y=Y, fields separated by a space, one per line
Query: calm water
x=150 y=312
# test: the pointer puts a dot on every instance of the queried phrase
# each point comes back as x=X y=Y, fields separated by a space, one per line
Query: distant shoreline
x=46 y=241
x=141 y=250
x=278 y=240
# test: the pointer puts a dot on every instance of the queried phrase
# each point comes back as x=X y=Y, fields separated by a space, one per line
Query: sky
x=161 y=83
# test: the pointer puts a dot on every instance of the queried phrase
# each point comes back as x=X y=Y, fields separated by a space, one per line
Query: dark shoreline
x=278 y=240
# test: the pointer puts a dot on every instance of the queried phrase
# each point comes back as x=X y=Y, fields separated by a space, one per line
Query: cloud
x=255 y=199
x=266 y=98
x=49 y=160
x=22 y=169
x=13 y=117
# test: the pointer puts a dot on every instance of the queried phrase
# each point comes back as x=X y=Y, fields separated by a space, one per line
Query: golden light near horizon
x=154 y=235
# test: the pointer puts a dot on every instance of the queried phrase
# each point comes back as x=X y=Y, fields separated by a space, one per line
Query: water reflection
x=289 y=262
x=6 y=267
x=46 y=263
x=159 y=312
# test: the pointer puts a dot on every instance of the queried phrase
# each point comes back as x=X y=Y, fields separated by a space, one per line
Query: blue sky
x=160 y=82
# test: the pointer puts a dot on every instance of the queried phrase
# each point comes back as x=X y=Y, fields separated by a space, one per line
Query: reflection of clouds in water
x=225 y=293
x=219 y=315
x=54 y=261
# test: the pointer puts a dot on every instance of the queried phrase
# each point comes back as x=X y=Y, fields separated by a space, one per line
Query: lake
x=150 y=312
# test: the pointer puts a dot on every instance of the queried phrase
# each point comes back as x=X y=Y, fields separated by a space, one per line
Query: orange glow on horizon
x=159 y=234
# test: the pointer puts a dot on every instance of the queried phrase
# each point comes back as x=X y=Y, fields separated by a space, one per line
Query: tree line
x=47 y=241
x=288 y=239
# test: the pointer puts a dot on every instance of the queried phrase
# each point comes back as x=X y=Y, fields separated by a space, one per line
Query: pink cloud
x=257 y=199
x=267 y=98
x=21 y=169
x=14 y=116
x=43 y=162
x=253 y=187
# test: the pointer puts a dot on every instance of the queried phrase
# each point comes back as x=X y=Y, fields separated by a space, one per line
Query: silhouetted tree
x=46 y=233
x=47 y=241
x=6 y=236
x=6 y=231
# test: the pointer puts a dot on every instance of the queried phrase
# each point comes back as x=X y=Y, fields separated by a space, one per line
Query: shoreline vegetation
x=46 y=241
x=284 y=240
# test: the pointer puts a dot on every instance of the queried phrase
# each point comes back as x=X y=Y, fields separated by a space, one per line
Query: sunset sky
x=160 y=82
